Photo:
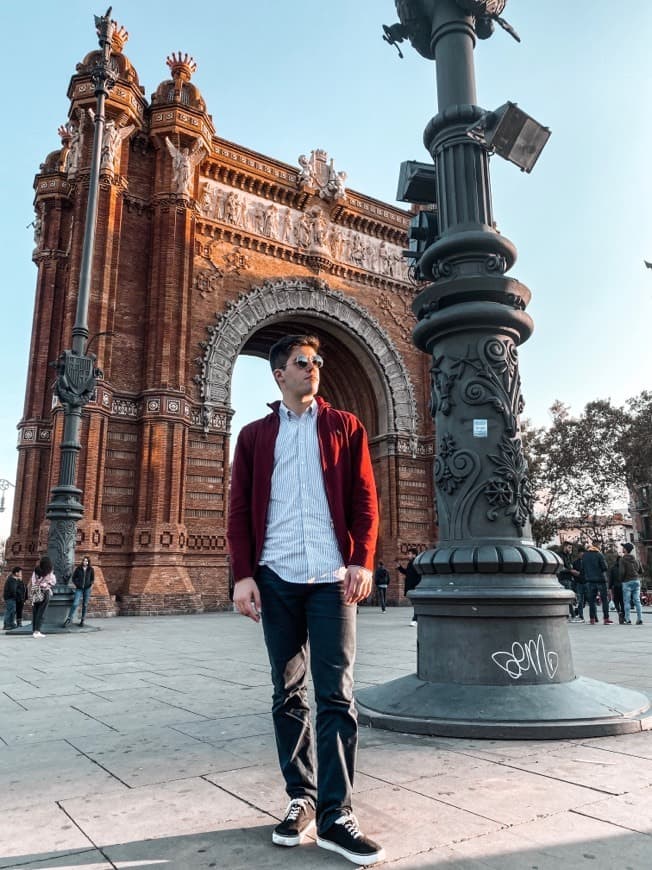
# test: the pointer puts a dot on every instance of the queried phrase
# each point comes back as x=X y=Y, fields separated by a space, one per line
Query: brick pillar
x=158 y=580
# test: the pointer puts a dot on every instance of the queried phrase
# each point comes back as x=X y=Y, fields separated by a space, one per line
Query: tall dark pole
x=494 y=656
x=76 y=371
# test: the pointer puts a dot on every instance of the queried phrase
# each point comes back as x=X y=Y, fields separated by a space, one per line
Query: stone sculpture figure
x=270 y=222
x=74 y=149
x=304 y=230
x=112 y=139
x=287 y=230
x=184 y=161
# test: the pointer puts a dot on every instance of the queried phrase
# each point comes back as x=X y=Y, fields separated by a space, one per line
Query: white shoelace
x=350 y=823
x=294 y=808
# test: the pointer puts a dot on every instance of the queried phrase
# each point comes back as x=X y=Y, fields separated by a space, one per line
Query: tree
x=576 y=468
x=635 y=441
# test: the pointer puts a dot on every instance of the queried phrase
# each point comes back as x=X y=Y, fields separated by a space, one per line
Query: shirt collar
x=286 y=414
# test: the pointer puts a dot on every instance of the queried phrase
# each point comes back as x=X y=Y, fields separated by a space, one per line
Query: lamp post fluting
x=77 y=373
x=494 y=656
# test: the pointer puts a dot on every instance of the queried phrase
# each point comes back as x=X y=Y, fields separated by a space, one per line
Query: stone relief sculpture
x=287 y=229
x=207 y=203
x=184 y=161
x=270 y=222
x=311 y=230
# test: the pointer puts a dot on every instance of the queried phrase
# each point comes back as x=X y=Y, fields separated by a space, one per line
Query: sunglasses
x=301 y=361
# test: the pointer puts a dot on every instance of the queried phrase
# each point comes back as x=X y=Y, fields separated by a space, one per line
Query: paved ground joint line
x=94 y=718
x=22 y=706
x=238 y=797
x=90 y=839
x=68 y=740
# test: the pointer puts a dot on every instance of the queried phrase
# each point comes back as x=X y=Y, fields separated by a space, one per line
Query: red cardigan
x=348 y=480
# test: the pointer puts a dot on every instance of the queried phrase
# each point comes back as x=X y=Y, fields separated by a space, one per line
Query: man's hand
x=246 y=597
x=357 y=584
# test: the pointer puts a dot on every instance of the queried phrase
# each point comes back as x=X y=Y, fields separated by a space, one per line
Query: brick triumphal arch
x=205 y=250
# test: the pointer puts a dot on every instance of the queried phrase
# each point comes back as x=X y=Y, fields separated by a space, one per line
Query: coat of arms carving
x=318 y=173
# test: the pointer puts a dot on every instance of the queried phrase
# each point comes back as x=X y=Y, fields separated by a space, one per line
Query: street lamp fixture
x=512 y=134
x=4 y=486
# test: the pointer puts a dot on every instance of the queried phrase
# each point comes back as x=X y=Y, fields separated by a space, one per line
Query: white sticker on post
x=480 y=428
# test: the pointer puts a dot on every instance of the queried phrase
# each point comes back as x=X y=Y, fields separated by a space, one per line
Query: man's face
x=297 y=382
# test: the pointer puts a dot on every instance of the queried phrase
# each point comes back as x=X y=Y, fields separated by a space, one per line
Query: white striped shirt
x=300 y=544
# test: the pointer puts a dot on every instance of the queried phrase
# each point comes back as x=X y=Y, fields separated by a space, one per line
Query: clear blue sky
x=286 y=77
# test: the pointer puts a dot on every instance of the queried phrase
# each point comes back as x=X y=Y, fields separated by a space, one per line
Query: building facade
x=205 y=250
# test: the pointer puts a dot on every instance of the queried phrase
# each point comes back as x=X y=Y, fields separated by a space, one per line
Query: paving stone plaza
x=149 y=744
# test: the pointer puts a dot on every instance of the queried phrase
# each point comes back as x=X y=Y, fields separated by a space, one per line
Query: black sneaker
x=299 y=821
x=66 y=622
x=345 y=837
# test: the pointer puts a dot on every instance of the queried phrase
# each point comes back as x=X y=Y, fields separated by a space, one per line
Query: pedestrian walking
x=83 y=579
x=302 y=527
x=412 y=578
x=381 y=579
x=631 y=574
x=42 y=583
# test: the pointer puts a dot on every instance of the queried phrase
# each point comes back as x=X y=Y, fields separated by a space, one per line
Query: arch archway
x=365 y=372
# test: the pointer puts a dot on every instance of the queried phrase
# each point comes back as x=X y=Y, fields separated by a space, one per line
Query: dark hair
x=16 y=569
x=581 y=549
x=627 y=546
x=44 y=566
x=88 y=558
x=281 y=350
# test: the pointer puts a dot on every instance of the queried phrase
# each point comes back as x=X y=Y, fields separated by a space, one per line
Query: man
x=412 y=577
x=302 y=527
x=631 y=574
x=580 y=583
x=10 y=594
x=616 y=588
x=594 y=566
x=566 y=576
x=83 y=579
x=21 y=598
x=381 y=579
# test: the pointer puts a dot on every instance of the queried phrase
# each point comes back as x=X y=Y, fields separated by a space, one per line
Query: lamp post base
x=579 y=708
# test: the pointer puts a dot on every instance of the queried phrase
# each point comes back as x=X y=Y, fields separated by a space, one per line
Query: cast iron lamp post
x=494 y=656
x=76 y=371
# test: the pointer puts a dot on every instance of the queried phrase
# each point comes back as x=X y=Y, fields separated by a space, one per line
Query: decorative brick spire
x=182 y=66
x=119 y=38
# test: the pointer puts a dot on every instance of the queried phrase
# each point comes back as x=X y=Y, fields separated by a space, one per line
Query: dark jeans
x=296 y=615
x=38 y=612
x=567 y=584
x=80 y=594
x=19 y=611
x=596 y=586
x=382 y=596
x=617 y=595
x=581 y=593
x=10 y=613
